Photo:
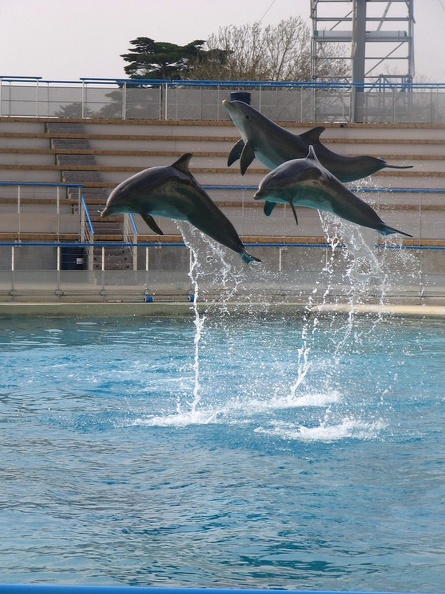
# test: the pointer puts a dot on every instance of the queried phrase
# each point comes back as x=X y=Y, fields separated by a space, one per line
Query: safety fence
x=201 y=100
x=288 y=271
x=32 y=207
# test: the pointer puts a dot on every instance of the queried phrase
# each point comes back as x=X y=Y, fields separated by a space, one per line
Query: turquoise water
x=262 y=453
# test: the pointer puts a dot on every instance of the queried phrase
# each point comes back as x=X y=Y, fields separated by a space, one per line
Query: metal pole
x=165 y=100
x=83 y=99
x=12 y=291
x=124 y=101
x=58 y=212
x=18 y=211
x=37 y=99
x=358 y=58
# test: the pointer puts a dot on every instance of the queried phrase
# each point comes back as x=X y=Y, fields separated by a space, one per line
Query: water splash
x=188 y=233
x=351 y=273
x=354 y=272
x=208 y=260
x=347 y=428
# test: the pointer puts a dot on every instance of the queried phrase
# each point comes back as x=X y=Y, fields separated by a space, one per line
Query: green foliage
x=161 y=60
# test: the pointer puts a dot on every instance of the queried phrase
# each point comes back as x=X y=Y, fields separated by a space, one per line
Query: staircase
x=73 y=150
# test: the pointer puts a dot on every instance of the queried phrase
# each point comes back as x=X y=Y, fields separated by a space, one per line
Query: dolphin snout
x=259 y=194
x=228 y=105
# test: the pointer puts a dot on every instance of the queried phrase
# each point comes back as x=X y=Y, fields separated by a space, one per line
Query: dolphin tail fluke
x=236 y=152
x=248 y=258
x=386 y=230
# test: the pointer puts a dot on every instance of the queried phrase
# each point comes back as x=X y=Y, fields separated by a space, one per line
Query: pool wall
x=51 y=589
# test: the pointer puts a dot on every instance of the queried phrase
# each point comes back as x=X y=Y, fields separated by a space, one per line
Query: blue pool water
x=303 y=453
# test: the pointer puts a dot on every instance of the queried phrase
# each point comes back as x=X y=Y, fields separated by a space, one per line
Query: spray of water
x=211 y=269
x=354 y=273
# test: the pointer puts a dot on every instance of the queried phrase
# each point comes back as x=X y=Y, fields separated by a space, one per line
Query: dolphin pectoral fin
x=182 y=164
x=313 y=135
x=149 y=220
x=294 y=212
x=236 y=152
x=247 y=156
x=268 y=208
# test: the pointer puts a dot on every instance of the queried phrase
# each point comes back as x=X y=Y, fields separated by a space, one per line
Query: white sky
x=70 y=39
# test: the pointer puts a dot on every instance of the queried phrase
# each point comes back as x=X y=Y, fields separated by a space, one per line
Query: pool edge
x=175 y=309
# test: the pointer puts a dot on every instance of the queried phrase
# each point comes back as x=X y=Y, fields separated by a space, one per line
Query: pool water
x=259 y=452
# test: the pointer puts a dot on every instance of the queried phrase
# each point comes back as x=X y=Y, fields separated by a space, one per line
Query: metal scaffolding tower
x=367 y=41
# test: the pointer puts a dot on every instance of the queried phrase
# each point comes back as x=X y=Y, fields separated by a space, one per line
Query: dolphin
x=173 y=192
x=273 y=145
x=306 y=182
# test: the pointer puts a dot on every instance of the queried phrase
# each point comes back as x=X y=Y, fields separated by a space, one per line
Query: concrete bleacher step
x=70 y=144
x=78 y=165
x=109 y=226
x=76 y=159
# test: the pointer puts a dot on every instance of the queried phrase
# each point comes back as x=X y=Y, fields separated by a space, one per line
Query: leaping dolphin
x=174 y=193
x=273 y=145
x=306 y=182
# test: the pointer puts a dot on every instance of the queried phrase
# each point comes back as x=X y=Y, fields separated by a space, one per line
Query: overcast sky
x=70 y=39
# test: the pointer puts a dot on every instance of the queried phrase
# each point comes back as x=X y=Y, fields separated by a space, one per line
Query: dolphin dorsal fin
x=313 y=135
x=312 y=155
x=183 y=163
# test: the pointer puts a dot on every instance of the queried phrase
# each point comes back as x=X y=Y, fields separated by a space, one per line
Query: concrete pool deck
x=174 y=309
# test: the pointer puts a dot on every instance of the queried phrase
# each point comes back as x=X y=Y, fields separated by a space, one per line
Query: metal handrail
x=41 y=184
x=222 y=83
x=407 y=245
x=90 y=227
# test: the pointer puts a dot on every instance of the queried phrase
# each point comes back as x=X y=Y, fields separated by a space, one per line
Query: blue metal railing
x=41 y=184
x=87 y=215
x=133 y=223
x=158 y=244
x=137 y=82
